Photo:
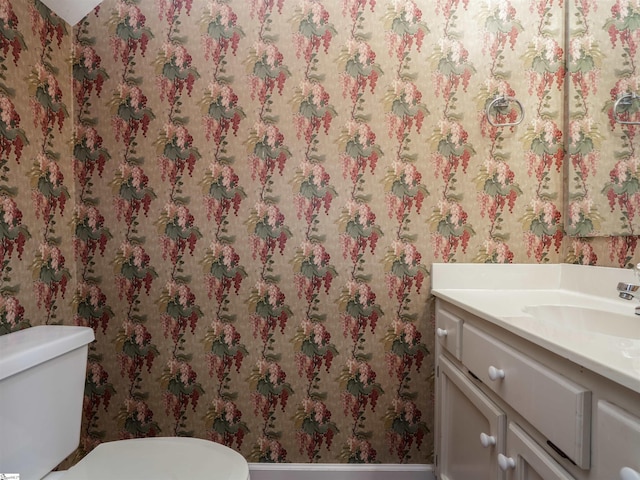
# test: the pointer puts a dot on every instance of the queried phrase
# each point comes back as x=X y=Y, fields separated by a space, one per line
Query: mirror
x=603 y=121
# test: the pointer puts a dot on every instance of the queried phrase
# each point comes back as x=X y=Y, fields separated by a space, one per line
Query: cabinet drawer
x=449 y=332
x=559 y=408
x=617 y=441
x=526 y=459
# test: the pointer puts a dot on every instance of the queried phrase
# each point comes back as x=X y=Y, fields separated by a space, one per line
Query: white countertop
x=499 y=292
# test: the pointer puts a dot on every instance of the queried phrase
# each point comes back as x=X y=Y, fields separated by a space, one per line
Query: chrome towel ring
x=501 y=102
x=625 y=100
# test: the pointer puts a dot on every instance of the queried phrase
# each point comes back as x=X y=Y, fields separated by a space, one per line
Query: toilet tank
x=42 y=377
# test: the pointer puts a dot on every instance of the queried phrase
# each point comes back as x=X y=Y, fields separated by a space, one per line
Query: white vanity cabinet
x=508 y=409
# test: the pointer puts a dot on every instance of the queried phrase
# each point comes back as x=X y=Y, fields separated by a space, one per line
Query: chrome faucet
x=627 y=290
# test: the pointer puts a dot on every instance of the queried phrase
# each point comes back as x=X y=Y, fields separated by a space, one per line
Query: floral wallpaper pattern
x=244 y=199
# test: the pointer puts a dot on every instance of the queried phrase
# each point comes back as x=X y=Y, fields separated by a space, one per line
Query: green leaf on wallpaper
x=583 y=64
x=583 y=147
x=400 y=108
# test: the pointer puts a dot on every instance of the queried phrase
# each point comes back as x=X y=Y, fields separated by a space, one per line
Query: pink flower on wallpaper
x=10 y=37
x=13 y=234
x=50 y=193
x=408 y=428
x=360 y=150
x=268 y=70
x=223 y=192
x=87 y=72
x=406 y=27
x=131 y=114
x=270 y=388
x=227 y=428
x=357 y=221
x=268 y=151
x=542 y=224
x=224 y=271
x=359 y=450
x=131 y=185
x=176 y=72
x=171 y=9
x=360 y=68
x=314 y=427
x=222 y=111
x=46 y=24
x=224 y=350
x=135 y=349
x=46 y=103
x=222 y=30
x=179 y=310
x=355 y=7
x=91 y=307
x=313 y=29
x=11 y=314
x=90 y=232
x=314 y=348
x=584 y=56
x=360 y=389
x=178 y=152
x=269 y=449
x=129 y=31
x=133 y=271
x=52 y=276
x=311 y=182
x=88 y=153
x=267 y=230
x=494 y=250
x=12 y=137
x=181 y=389
x=313 y=270
x=136 y=419
x=358 y=302
x=263 y=8
x=313 y=110
x=270 y=310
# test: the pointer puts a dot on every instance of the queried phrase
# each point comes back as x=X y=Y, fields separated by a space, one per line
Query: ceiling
x=72 y=11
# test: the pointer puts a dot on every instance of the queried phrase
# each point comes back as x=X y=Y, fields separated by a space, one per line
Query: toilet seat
x=160 y=458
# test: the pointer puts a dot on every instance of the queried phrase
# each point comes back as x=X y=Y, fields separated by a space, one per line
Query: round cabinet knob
x=629 y=474
x=495 y=373
x=506 y=463
x=487 y=440
x=441 y=332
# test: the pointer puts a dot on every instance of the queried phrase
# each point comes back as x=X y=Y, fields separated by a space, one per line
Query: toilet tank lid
x=29 y=347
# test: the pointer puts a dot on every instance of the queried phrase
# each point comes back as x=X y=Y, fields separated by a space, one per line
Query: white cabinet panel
x=618 y=443
x=471 y=428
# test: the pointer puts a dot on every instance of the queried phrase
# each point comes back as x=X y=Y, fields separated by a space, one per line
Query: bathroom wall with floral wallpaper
x=244 y=199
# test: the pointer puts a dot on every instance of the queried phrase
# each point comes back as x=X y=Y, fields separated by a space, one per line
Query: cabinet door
x=526 y=460
x=617 y=443
x=470 y=428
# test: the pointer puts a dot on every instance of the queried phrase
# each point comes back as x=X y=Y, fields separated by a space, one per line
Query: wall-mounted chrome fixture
x=500 y=104
x=625 y=100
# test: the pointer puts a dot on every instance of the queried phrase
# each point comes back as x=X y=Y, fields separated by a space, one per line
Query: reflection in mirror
x=603 y=173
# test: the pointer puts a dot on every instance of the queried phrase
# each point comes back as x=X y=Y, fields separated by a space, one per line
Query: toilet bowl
x=160 y=458
x=42 y=376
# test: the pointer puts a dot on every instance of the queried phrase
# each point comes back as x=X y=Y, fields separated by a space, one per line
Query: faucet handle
x=627 y=287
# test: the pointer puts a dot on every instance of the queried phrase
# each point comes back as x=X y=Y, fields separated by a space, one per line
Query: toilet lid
x=160 y=458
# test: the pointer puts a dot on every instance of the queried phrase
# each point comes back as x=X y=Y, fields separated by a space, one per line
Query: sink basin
x=587 y=319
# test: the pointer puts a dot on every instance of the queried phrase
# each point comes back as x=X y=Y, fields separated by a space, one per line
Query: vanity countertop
x=499 y=292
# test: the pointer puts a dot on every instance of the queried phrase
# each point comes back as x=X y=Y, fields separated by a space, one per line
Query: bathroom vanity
x=537 y=373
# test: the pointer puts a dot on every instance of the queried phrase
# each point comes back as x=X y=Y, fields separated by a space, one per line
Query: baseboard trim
x=340 y=471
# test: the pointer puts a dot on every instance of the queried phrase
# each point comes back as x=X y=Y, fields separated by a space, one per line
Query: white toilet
x=42 y=375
